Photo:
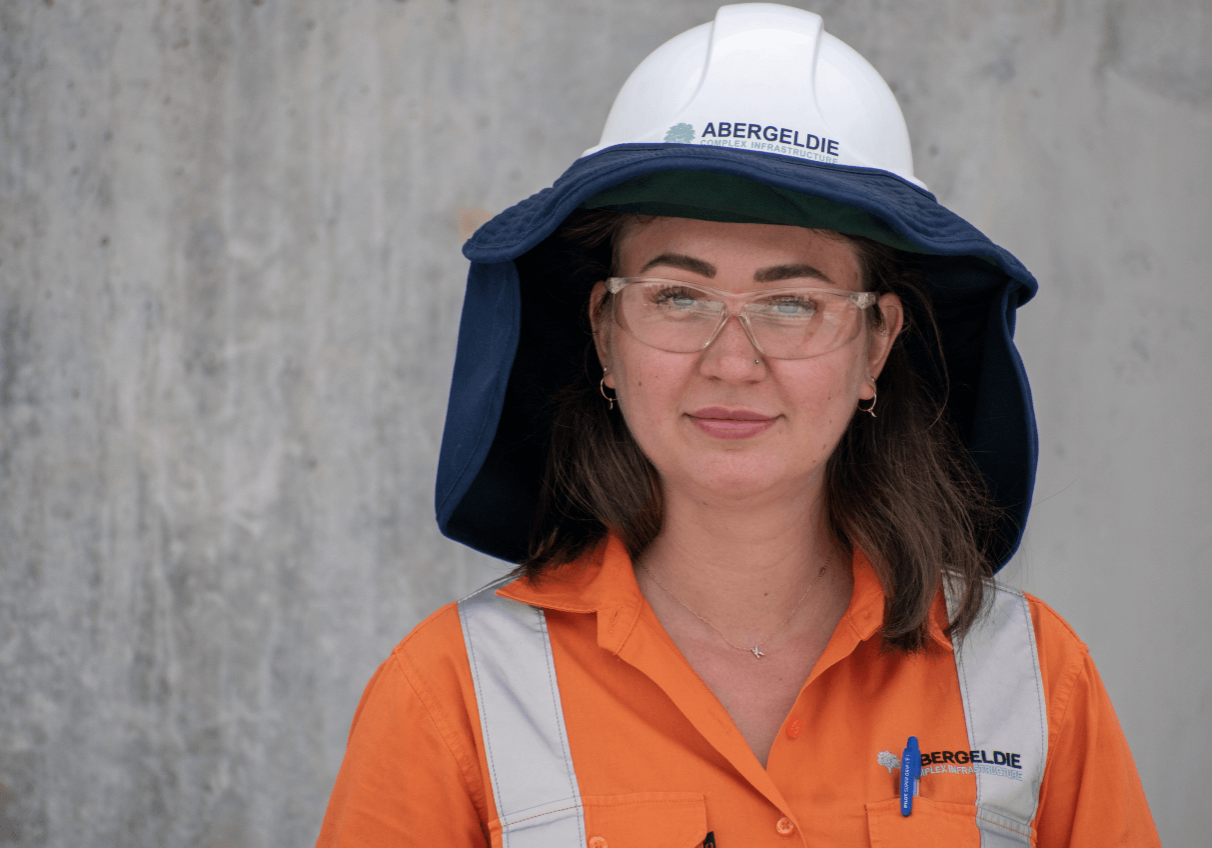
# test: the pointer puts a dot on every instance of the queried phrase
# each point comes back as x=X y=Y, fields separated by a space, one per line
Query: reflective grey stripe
x=526 y=746
x=1003 y=694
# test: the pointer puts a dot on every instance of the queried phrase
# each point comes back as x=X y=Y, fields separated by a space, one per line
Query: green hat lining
x=735 y=200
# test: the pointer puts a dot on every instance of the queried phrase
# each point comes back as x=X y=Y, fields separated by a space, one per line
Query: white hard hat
x=767 y=78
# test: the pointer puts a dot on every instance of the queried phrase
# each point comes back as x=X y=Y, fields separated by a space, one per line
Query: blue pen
x=911 y=770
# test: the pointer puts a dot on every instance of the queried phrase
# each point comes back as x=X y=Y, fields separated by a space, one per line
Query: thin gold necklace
x=756 y=649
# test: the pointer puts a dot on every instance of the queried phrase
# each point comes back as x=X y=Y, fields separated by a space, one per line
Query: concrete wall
x=229 y=284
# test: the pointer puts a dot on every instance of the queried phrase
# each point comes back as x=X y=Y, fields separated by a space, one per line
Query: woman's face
x=728 y=421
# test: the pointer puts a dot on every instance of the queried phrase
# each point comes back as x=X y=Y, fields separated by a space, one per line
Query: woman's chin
x=740 y=483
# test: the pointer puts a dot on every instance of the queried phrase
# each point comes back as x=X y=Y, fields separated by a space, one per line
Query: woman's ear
x=599 y=320
x=892 y=315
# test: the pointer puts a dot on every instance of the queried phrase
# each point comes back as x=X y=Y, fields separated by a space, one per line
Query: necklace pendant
x=756 y=652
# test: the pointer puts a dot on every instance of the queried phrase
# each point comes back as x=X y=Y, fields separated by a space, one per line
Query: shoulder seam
x=1057 y=617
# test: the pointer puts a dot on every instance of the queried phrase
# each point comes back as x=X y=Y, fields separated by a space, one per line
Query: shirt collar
x=601 y=582
x=866 y=611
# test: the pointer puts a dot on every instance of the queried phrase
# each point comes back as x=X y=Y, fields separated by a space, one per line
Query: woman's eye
x=680 y=298
x=794 y=307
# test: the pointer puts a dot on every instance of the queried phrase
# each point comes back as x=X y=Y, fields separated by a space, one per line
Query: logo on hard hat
x=680 y=134
x=766 y=138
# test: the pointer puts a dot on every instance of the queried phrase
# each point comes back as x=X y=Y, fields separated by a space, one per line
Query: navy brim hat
x=523 y=336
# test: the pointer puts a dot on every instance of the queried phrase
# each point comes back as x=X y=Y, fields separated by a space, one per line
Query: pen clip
x=911 y=770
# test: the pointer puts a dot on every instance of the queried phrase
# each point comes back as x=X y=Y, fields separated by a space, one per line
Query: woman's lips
x=731 y=423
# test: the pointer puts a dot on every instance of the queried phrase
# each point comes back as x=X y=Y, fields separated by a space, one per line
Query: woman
x=742 y=401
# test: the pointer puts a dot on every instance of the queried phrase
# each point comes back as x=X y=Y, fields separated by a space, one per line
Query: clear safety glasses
x=781 y=323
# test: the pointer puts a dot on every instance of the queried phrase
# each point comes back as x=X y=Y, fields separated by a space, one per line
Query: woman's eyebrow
x=681 y=260
x=777 y=273
x=773 y=274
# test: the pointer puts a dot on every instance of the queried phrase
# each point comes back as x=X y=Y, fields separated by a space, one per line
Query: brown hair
x=900 y=486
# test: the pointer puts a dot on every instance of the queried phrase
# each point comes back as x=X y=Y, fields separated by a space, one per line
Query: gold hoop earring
x=871 y=409
x=602 y=389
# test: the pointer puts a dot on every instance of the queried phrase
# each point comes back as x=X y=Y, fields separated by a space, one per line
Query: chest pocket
x=646 y=819
x=640 y=820
x=937 y=823
x=932 y=823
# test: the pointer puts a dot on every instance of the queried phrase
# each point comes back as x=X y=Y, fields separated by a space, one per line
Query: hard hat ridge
x=767 y=78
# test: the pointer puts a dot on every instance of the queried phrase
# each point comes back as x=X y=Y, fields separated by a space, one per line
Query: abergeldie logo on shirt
x=999 y=763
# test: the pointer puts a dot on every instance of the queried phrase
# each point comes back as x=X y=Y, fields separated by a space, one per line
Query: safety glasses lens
x=789 y=324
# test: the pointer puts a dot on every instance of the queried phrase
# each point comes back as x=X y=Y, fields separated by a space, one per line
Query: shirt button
x=795 y=728
x=597 y=842
x=784 y=826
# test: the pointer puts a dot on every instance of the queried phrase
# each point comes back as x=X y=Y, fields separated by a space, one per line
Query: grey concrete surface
x=229 y=285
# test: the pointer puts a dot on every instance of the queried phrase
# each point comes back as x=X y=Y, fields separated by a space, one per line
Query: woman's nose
x=732 y=354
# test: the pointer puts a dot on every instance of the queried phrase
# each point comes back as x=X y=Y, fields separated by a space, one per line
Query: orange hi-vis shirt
x=659 y=761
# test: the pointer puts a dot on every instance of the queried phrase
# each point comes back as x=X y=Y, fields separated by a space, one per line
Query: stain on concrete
x=1001 y=70
x=1164 y=45
x=15 y=351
